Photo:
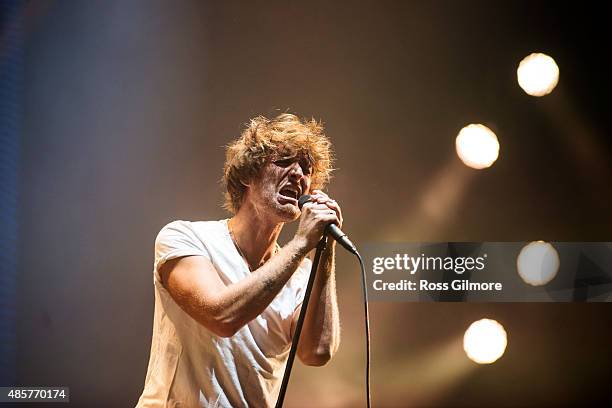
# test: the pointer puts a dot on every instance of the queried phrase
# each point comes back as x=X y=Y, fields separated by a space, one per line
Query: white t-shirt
x=189 y=365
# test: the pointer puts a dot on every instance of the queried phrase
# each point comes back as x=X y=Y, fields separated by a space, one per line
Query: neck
x=255 y=235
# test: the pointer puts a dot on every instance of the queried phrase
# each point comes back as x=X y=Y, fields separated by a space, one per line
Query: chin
x=291 y=214
x=287 y=212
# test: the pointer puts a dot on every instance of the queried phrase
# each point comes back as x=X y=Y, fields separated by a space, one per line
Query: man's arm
x=320 y=337
x=196 y=287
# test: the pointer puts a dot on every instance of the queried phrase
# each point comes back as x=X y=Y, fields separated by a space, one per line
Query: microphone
x=332 y=229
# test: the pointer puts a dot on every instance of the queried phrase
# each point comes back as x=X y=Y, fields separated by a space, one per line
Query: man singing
x=227 y=296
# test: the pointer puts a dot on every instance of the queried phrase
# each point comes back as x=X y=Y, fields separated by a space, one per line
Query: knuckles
x=318 y=210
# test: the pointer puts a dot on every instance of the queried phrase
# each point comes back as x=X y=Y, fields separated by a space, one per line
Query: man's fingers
x=331 y=204
x=328 y=216
x=320 y=197
x=319 y=193
x=324 y=206
x=320 y=210
x=315 y=206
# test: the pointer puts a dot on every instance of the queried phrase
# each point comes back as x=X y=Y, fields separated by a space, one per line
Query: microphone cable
x=367 y=328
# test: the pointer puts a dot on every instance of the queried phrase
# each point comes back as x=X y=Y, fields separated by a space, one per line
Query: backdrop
x=125 y=108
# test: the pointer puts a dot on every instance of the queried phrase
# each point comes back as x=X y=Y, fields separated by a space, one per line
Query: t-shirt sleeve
x=176 y=240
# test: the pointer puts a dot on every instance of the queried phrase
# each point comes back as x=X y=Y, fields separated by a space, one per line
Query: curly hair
x=264 y=140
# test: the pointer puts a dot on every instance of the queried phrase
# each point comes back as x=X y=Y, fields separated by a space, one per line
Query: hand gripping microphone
x=332 y=229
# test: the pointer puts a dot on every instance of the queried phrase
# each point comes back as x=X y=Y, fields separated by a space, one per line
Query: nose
x=296 y=175
x=296 y=171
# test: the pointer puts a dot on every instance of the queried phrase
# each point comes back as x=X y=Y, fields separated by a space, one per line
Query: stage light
x=477 y=146
x=538 y=74
x=538 y=263
x=485 y=341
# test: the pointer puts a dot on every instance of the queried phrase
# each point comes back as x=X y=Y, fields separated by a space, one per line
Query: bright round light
x=538 y=263
x=477 y=146
x=538 y=74
x=485 y=341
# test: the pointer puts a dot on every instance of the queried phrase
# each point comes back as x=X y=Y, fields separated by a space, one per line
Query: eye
x=284 y=162
x=305 y=164
x=306 y=168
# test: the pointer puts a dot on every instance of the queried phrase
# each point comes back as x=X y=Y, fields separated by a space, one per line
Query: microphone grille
x=303 y=200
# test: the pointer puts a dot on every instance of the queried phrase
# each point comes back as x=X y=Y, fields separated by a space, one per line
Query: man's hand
x=321 y=332
x=316 y=215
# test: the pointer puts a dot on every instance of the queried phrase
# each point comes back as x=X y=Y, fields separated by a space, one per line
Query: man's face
x=279 y=186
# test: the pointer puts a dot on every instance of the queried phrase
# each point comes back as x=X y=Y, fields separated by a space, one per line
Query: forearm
x=241 y=302
x=320 y=337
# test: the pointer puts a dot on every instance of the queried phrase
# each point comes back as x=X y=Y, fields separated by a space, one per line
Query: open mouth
x=290 y=192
